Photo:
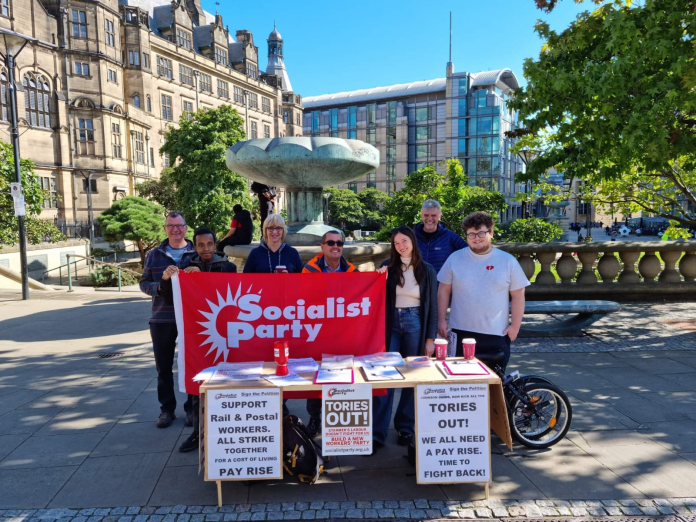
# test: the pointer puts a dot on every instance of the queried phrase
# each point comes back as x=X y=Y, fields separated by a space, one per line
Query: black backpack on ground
x=301 y=455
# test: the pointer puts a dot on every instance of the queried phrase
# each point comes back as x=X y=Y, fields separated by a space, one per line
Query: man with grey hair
x=435 y=241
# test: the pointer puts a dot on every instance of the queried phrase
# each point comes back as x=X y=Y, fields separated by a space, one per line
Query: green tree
x=345 y=210
x=161 y=191
x=611 y=100
x=134 y=219
x=37 y=230
x=206 y=190
x=533 y=230
x=456 y=197
x=373 y=203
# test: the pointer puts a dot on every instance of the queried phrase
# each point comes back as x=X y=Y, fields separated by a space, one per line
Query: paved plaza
x=78 y=438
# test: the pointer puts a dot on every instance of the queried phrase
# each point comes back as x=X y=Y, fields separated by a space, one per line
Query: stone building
x=102 y=81
x=463 y=116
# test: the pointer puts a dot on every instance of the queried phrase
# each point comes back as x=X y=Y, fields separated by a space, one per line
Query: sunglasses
x=331 y=242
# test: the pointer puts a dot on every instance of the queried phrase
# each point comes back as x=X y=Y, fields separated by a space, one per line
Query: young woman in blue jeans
x=410 y=327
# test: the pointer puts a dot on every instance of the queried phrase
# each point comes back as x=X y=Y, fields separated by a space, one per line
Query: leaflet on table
x=204 y=375
x=246 y=371
x=336 y=362
x=334 y=376
x=306 y=365
x=380 y=359
x=382 y=373
x=465 y=367
x=420 y=361
x=290 y=379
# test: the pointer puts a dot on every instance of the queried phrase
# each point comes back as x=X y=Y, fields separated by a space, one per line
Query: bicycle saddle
x=491 y=359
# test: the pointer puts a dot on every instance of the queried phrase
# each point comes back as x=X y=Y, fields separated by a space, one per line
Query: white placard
x=243 y=434
x=16 y=189
x=19 y=208
x=346 y=419
x=453 y=433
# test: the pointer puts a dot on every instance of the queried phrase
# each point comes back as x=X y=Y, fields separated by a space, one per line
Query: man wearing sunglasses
x=483 y=282
x=330 y=260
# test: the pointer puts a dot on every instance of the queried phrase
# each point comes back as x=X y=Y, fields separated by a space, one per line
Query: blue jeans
x=405 y=338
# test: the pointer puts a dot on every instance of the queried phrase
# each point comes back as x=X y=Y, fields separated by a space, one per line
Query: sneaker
x=165 y=419
x=189 y=444
x=189 y=419
x=405 y=438
x=314 y=426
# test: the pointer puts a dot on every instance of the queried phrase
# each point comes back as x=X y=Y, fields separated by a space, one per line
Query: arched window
x=148 y=103
x=4 y=97
x=136 y=100
x=36 y=95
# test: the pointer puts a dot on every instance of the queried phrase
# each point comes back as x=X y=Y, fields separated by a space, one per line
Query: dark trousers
x=192 y=404
x=485 y=343
x=313 y=408
x=163 y=344
x=231 y=241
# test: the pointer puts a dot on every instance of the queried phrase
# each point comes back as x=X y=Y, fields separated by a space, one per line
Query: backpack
x=301 y=455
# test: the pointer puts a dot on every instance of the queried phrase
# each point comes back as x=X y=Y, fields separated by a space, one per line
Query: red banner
x=237 y=317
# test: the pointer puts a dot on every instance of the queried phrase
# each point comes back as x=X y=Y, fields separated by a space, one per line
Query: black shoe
x=189 y=419
x=189 y=444
x=314 y=426
x=405 y=438
x=165 y=419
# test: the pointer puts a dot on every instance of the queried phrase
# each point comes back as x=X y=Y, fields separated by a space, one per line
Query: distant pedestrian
x=241 y=229
x=267 y=199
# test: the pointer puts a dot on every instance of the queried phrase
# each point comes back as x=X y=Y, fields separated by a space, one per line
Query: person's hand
x=169 y=272
x=442 y=328
x=511 y=332
x=191 y=269
x=381 y=270
x=429 y=347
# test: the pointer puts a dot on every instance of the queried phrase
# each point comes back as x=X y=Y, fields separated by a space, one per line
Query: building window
x=187 y=107
x=110 y=35
x=164 y=67
x=423 y=114
x=36 y=97
x=391 y=135
x=165 y=159
x=221 y=56
x=148 y=103
x=134 y=58
x=81 y=69
x=116 y=140
x=253 y=100
x=223 y=89
x=111 y=75
x=371 y=136
x=372 y=179
x=422 y=151
x=48 y=185
x=391 y=153
x=4 y=104
x=423 y=132
x=89 y=185
x=152 y=157
x=391 y=113
x=183 y=39
x=266 y=104
x=79 y=24
x=206 y=83
x=136 y=100
x=5 y=8
x=463 y=86
x=254 y=130
x=146 y=60
x=139 y=148
x=186 y=75
x=371 y=114
x=352 y=134
x=85 y=129
x=166 y=107
x=251 y=70
x=391 y=179
x=333 y=119
x=285 y=116
x=239 y=95
x=316 y=115
x=353 y=186
x=352 y=117
x=298 y=119
x=266 y=131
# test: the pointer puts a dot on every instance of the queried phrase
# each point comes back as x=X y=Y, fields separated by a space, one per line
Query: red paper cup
x=469 y=348
x=441 y=349
x=281 y=269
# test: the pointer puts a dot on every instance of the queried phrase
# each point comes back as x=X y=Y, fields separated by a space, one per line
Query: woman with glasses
x=410 y=326
x=273 y=251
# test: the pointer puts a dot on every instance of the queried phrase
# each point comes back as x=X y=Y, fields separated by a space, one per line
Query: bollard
x=119 y=279
x=70 y=288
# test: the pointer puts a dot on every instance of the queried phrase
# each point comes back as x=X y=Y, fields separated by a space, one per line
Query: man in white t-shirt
x=482 y=282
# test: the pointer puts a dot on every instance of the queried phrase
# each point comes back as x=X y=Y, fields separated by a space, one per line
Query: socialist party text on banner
x=237 y=317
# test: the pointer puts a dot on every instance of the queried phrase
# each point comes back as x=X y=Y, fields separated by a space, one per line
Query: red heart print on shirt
x=490 y=267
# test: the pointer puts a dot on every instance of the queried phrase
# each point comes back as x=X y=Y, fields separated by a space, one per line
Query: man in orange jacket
x=330 y=260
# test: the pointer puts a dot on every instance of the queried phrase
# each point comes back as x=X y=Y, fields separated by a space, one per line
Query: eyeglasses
x=331 y=242
x=172 y=227
x=275 y=229
x=480 y=235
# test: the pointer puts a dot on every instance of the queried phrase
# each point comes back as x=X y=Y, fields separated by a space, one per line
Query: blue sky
x=333 y=46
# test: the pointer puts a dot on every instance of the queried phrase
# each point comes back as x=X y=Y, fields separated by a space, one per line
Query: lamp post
x=13 y=45
x=527 y=156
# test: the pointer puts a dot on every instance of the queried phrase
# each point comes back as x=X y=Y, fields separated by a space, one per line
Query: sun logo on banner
x=215 y=339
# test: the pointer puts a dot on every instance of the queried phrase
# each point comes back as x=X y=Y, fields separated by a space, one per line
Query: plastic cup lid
x=468 y=341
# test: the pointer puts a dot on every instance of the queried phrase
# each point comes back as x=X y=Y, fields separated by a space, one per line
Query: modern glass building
x=464 y=116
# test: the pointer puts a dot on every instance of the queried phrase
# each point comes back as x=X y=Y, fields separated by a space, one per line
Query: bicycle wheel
x=541 y=417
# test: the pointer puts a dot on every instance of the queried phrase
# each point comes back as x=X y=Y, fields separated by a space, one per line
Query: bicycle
x=539 y=412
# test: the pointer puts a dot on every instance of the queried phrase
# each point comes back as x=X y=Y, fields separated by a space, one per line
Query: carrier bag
x=301 y=455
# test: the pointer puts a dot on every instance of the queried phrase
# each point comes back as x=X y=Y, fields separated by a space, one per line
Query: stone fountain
x=303 y=167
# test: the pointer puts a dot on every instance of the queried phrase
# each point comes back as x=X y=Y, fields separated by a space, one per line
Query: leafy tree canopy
x=162 y=191
x=134 y=219
x=37 y=230
x=611 y=100
x=345 y=209
x=373 y=203
x=206 y=190
x=533 y=230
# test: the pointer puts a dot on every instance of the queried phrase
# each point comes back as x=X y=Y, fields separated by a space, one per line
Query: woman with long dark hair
x=410 y=326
